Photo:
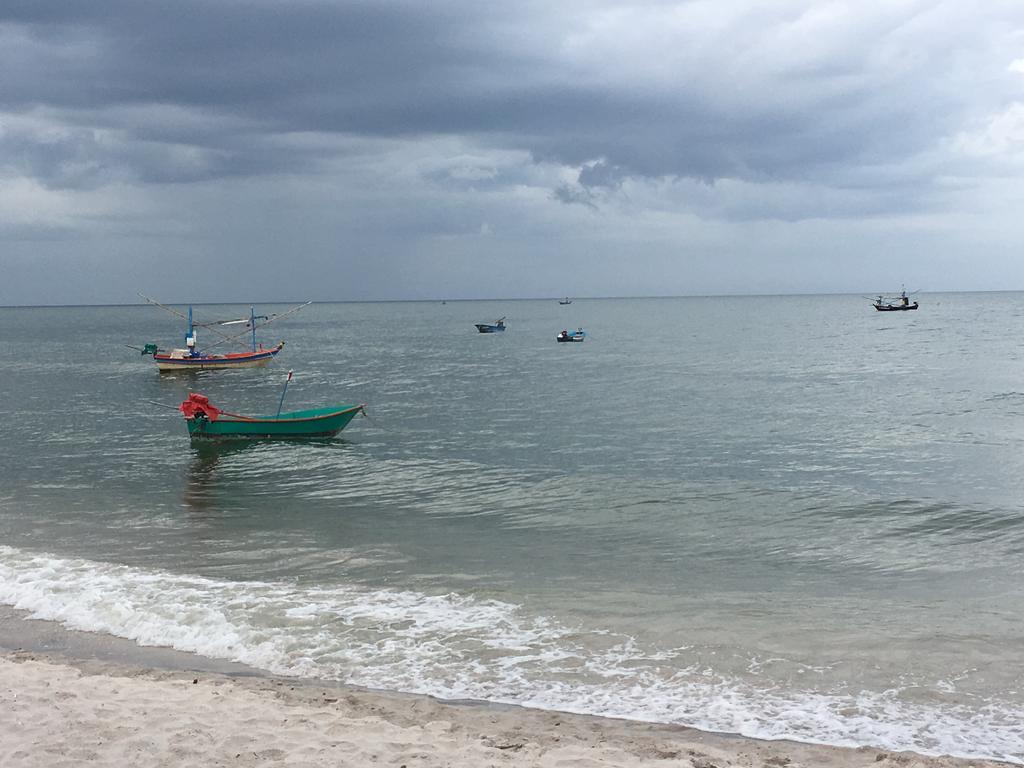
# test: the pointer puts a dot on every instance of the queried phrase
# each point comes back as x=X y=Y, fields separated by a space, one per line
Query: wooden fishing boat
x=187 y=360
x=565 y=301
x=496 y=327
x=895 y=307
x=208 y=422
x=900 y=303
x=578 y=335
x=190 y=358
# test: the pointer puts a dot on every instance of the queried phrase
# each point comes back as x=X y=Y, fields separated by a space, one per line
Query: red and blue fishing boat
x=191 y=358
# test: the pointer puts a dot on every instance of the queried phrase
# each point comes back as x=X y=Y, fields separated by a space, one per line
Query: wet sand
x=74 y=698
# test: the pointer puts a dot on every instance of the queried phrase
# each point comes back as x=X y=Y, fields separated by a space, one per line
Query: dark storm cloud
x=578 y=195
x=500 y=73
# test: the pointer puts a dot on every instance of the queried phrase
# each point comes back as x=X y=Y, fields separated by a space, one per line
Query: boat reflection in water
x=205 y=481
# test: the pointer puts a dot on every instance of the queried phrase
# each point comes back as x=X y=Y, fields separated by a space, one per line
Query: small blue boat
x=495 y=327
x=578 y=335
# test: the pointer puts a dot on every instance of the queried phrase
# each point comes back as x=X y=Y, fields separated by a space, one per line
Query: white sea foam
x=460 y=647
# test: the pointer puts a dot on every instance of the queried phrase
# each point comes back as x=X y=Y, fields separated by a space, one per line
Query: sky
x=271 y=150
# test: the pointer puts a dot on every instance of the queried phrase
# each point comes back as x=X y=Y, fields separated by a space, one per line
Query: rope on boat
x=272 y=318
x=162 y=405
x=374 y=421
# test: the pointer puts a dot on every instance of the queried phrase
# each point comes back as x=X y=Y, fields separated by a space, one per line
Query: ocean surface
x=785 y=517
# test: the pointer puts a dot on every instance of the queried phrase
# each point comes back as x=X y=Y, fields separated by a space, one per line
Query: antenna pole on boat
x=252 y=322
x=190 y=335
x=281 y=401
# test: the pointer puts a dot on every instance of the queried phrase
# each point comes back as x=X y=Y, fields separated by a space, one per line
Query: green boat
x=208 y=422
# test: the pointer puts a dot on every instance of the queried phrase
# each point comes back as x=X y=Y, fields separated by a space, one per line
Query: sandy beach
x=56 y=711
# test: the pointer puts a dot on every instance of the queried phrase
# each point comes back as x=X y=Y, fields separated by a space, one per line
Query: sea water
x=785 y=517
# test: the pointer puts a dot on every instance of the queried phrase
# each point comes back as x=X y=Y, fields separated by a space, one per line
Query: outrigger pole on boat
x=190 y=336
x=252 y=322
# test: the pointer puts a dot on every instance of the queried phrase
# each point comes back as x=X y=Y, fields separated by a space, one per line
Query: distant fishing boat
x=190 y=358
x=496 y=327
x=899 y=303
x=578 y=335
x=208 y=422
x=565 y=301
x=895 y=307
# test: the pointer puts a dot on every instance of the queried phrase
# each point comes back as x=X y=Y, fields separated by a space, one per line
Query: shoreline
x=103 y=700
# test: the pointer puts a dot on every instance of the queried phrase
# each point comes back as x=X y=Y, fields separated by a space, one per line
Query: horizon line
x=507 y=298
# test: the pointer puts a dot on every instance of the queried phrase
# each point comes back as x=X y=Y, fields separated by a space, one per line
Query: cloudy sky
x=259 y=150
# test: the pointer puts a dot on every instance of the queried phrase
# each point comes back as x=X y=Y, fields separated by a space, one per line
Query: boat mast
x=190 y=335
x=281 y=401
x=252 y=322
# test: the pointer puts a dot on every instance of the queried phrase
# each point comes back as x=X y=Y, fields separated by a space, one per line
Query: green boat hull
x=296 y=425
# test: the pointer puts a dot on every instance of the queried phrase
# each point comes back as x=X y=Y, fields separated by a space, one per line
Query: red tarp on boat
x=199 y=404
